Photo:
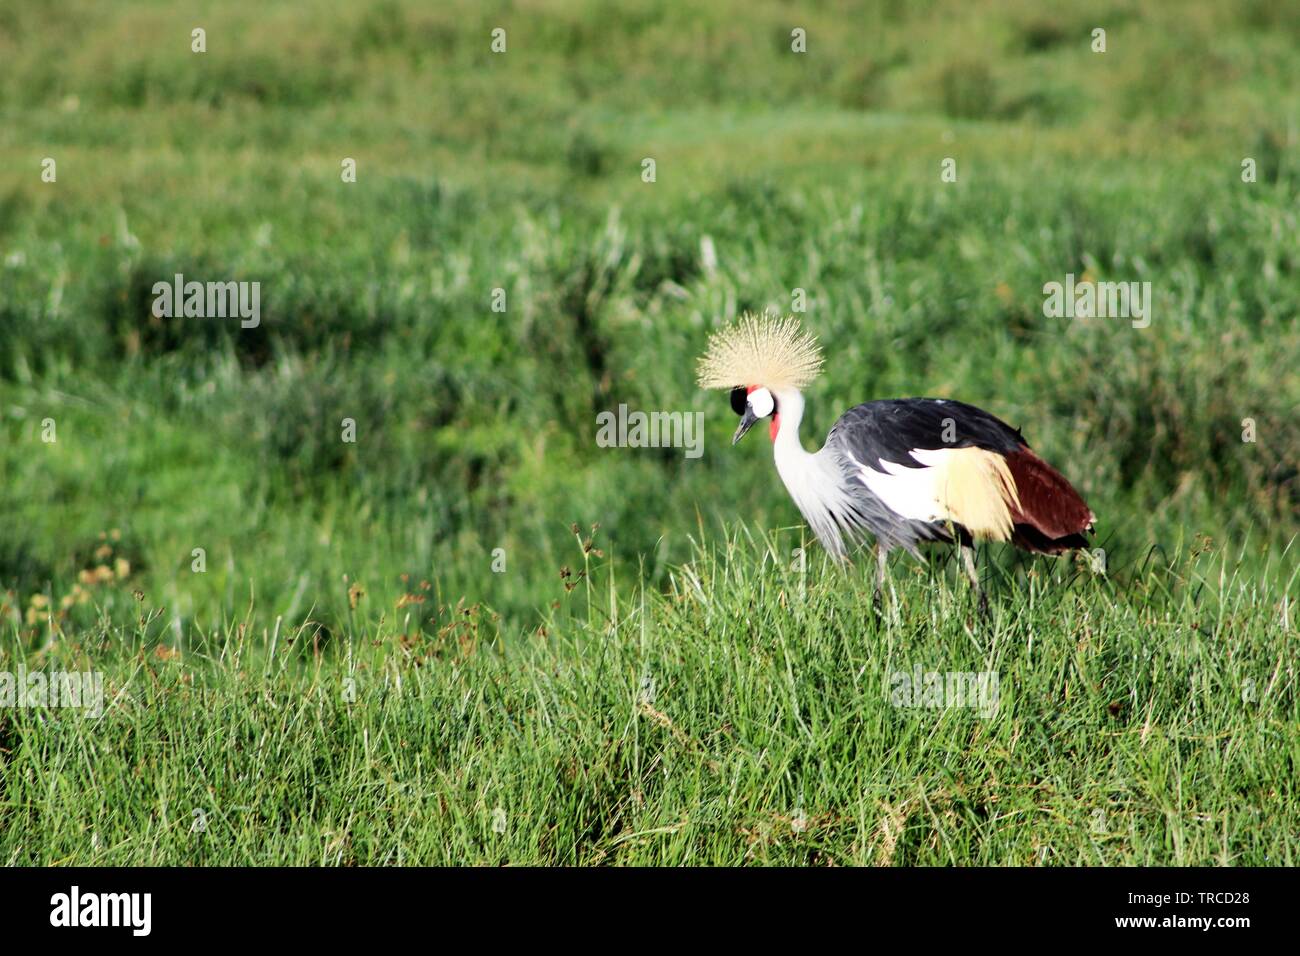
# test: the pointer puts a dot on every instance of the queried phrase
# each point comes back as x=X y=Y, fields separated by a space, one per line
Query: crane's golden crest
x=761 y=350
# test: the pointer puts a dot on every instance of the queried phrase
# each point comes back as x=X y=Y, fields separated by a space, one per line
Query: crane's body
x=900 y=471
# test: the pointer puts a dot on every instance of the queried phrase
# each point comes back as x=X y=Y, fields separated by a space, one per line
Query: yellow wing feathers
x=975 y=488
x=970 y=486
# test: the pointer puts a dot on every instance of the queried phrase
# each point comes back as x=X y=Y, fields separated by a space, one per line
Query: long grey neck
x=789 y=406
x=815 y=480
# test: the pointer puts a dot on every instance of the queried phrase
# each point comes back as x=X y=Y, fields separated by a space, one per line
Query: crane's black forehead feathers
x=738 y=400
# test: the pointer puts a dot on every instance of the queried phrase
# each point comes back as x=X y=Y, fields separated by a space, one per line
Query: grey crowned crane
x=904 y=471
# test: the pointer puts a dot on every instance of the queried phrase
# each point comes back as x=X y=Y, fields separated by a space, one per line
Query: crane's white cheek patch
x=761 y=402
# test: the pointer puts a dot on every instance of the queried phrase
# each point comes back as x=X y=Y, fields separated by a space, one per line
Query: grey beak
x=746 y=423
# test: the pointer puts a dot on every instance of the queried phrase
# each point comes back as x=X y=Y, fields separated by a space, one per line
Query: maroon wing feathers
x=1052 y=516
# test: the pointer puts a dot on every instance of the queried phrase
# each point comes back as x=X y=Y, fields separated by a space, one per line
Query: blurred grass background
x=522 y=171
x=677 y=694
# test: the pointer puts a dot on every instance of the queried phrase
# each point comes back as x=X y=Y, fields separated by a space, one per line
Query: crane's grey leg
x=882 y=558
x=968 y=560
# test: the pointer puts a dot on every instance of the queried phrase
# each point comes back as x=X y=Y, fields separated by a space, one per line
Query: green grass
x=1160 y=694
x=741 y=716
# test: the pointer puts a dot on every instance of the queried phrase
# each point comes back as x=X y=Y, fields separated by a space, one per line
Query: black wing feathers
x=891 y=428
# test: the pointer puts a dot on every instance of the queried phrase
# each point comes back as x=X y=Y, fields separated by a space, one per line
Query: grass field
x=472 y=635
